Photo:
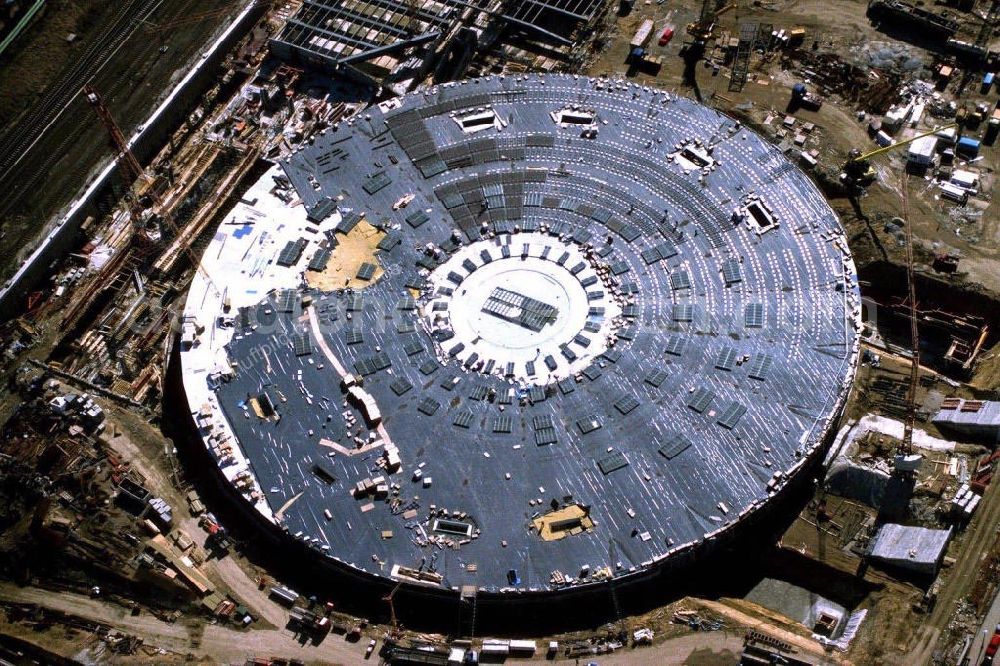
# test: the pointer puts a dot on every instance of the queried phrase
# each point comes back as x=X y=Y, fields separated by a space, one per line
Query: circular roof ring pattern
x=608 y=315
x=540 y=307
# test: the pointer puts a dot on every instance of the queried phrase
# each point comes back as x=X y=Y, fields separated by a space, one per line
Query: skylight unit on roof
x=656 y=378
x=700 y=400
x=302 y=344
x=731 y=416
x=759 y=218
x=612 y=462
x=731 y=273
x=570 y=117
x=675 y=345
x=726 y=359
x=674 y=445
x=478 y=121
x=759 y=367
x=683 y=312
x=463 y=419
x=428 y=406
x=753 y=315
x=502 y=424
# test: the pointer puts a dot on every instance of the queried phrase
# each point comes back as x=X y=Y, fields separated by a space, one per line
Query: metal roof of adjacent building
x=962 y=412
x=670 y=407
x=910 y=547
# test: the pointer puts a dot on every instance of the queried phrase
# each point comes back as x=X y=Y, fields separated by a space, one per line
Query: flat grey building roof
x=916 y=548
x=959 y=412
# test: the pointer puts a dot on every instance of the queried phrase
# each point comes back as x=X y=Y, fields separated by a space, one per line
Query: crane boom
x=703 y=29
x=897 y=144
x=132 y=171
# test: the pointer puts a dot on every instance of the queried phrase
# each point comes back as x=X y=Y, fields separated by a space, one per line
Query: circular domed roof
x=597 y=314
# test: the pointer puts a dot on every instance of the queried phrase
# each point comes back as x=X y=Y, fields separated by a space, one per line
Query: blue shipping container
x=968 y=146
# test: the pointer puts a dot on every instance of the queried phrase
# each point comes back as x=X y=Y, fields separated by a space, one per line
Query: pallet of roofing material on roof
x=418 y=576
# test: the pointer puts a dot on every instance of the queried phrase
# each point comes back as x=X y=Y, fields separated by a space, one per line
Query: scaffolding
x=741 y=63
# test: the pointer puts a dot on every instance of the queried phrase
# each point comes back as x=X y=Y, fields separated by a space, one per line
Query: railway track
x=17 y=142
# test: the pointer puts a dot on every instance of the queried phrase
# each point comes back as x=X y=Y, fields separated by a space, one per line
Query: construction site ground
x=186 y=641
x=69 y=153
x=840 y=26
x=932 y=388
x=893 y=633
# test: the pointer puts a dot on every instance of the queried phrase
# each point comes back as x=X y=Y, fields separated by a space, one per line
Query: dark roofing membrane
x=699 y=411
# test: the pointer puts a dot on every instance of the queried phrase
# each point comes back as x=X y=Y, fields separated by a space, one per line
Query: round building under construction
x=520 y=338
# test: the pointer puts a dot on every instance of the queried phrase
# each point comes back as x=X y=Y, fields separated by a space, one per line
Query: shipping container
x=967 y=147
x=284 y=595
x=643 y=34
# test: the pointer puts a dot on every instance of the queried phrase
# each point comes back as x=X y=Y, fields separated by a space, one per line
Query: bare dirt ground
x=217 y=642
x=167 y=642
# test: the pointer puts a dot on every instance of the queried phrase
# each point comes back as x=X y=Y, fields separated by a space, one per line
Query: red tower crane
x=129 y=165
x=129 y=171
x=139 y=243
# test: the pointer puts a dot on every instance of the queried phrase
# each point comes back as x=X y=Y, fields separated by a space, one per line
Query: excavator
x=703 y=30
x=858 y=170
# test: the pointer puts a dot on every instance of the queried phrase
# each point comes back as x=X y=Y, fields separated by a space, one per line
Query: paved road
x=224 y=644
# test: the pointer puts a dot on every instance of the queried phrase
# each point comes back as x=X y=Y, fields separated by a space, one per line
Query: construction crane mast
x=911 y=393
x=139 y=244
x=129 y=165
x=858 y=170
x=113 y=273
x=394 y=632
x=135 y=172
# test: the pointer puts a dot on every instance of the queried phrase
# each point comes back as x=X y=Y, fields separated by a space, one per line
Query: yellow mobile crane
x=858 y=169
